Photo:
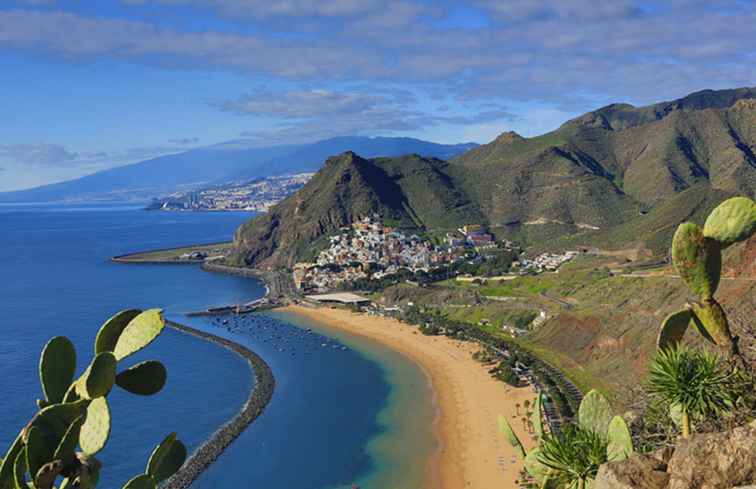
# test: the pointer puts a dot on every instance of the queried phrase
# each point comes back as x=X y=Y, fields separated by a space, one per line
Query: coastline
x=258 y=399
x=472 y=452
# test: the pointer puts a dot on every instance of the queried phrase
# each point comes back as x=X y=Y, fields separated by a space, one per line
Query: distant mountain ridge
x=612 y=176
x=220 y=163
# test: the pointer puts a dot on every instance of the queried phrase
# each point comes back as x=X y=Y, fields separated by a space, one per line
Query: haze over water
x=345 y=409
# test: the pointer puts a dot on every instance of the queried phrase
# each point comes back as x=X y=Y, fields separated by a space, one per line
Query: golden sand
x=473 y=454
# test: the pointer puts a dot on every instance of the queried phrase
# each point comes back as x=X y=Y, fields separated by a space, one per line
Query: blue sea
x=345 y=410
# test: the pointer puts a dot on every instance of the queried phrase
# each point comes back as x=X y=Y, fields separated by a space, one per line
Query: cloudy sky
x=89 y=85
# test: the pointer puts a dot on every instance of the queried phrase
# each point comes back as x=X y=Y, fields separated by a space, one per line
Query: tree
x=693 y=383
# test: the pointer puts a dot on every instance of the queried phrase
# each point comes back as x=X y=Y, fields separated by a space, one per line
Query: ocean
x=345 y=411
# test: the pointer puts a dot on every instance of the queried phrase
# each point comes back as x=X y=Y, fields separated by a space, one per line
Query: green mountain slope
x=606 y=167
x=615 y=177
x=409 y=191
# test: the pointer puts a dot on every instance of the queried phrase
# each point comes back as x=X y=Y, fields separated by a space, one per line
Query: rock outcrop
x=706 y=461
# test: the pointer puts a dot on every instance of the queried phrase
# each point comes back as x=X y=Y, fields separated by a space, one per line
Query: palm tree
x=517 y=407
x=573 y=457
x=696 y=383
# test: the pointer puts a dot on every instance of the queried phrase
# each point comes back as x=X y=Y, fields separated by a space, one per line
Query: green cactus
x=511 y=436
x=19 y=470
x=732 y=221
x=673 y=328
x=144 y=378
x=76 y=413
x=57 y=366
x=96 y=428
x=166 y=459
x=697 y=259
x=140 y=332
x=595 y=413
x=620 y=441
x=111 y=330
x=536 y=418
x=710 y=317
x=66 y=449
x=99 y=377
x=697 y=256
x=142 y=481
x=535 y=468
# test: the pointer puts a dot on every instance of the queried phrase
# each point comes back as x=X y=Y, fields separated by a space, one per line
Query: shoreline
x=258 y=399
x=471 y=452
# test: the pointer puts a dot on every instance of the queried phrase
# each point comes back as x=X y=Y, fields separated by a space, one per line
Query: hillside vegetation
x=613 y=178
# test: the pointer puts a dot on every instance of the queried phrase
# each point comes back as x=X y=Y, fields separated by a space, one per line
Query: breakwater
x=259 y=397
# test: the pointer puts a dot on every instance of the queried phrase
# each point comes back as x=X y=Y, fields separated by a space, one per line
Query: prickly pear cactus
x=166 y=459
x=595 y=413
x=710 y=317
x=75 y=413
x=144 y=378
x=620 y=441
x=57 y=366
x=673 y=328
x=510 y=435
x=142 y=481
x=697 y=259
x=536 y=417
x=96 y=428
x=732 y=221
x=140 y=332
x=99 y=377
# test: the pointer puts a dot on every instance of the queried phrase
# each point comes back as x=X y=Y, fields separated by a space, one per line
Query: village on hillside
x=368 y=250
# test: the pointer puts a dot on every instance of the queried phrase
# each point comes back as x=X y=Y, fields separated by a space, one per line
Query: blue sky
x=88 y=85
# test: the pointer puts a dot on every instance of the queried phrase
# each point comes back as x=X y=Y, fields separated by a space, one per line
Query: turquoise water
x=345 y=410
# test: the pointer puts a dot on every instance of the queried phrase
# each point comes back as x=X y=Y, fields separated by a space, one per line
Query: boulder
x=706 y=461
x=715 y=460
x=639 y=471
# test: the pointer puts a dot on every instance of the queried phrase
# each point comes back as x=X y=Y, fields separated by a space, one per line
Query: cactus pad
x=697 y=259
x=142 y=481
x=732 y=221
x=66 y=450
x=710 y=317
x=140 y=332
x=99 y=377
x=595 y=413
x=8 y=463
x=57 y=366
x=620 y=441
x=144 y=378
x=511 y=436
x=673 y=328
x=166 y=459
x=111 y=330
x=96 y=428
x=19 y=469
x=40 y=446
x=534 y=467
x=536 y=417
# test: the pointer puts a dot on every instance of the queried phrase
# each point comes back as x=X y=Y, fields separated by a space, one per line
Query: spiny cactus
x=732 y=221
x=697 y=257
x=57 y=366
x=75 y=413
x=594 y=417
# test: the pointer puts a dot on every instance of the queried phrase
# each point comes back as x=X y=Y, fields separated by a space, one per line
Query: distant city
x=257 y=195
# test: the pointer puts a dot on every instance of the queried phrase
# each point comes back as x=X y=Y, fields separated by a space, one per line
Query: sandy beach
x=473 y=453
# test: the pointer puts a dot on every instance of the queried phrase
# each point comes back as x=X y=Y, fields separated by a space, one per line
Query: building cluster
x=549 y=262
x=369 y=250
x=258 y=195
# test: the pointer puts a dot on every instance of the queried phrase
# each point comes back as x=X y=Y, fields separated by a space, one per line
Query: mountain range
x=233 y=161
x=615 y=176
